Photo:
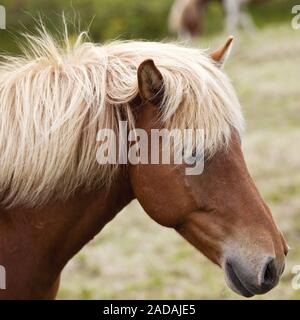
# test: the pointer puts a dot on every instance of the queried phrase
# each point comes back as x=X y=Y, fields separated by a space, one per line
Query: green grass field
x=134 y=258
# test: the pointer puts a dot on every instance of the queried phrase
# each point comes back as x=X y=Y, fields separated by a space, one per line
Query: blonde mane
x=58 y=94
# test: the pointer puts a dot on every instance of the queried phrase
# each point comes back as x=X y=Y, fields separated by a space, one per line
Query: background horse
x=56 y=197
x=186 y=17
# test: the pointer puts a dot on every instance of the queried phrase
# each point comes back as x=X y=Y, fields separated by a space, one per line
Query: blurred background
x=133 y=257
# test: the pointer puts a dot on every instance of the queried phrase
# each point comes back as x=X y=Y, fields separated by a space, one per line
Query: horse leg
x=232 y=11
x=185 y=34
x=246 y=22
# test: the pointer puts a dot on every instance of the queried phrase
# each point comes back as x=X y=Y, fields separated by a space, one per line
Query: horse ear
x=150 y=82
x=221 y=54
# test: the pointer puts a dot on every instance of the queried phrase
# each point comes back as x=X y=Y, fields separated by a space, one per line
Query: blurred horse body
x=186 y=17
x=55 y=197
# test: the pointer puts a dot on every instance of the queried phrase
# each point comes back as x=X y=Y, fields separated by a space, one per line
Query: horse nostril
x=269 y=276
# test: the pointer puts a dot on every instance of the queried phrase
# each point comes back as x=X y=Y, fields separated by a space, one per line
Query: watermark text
x=2 y=18
x=296 y=278
x=2 y=278
x=296 y=20
x=160 y=146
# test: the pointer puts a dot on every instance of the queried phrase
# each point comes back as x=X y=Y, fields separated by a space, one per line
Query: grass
x=134 y=258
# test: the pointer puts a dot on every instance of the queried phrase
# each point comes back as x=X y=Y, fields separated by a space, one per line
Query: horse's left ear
x=150 y=82
x=221 y=54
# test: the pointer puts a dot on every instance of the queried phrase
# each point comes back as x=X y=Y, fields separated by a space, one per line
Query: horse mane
x=57 y=95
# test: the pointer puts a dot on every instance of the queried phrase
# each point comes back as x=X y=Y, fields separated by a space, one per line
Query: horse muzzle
x=253 y=278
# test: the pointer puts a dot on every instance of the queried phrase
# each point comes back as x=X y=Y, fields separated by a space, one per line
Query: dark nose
x=270 y=275
x=256 y=279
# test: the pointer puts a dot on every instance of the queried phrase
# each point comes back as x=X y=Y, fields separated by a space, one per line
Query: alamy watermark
x=296 y=278
x=160 y=146
x=296 y=20
x=2 y=278
x=2 y=17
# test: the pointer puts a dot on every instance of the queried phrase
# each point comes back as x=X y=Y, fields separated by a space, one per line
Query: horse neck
x=45 y=239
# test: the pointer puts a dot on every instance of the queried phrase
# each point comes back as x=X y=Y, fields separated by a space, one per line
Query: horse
x=186 y=17
x=55 y=196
